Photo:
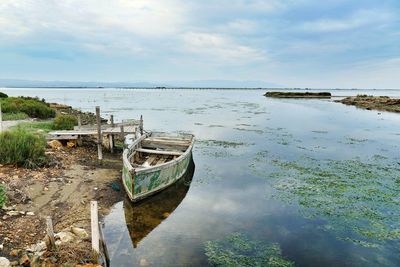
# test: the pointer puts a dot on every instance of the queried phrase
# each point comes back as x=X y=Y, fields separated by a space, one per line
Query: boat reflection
x=141 y=218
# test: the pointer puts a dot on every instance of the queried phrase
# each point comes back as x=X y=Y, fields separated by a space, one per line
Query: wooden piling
x=99 y=136
x=111 y=138
x=122 y=134
x=94 y=219
x=50 y=234
x=141 y=125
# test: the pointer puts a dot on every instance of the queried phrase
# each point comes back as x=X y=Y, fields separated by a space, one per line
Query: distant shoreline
x=195 y=88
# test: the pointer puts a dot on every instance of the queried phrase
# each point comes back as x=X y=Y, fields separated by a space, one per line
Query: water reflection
x=143 y=217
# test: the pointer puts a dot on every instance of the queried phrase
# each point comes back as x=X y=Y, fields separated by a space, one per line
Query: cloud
x=362 y=18
x=220 y=48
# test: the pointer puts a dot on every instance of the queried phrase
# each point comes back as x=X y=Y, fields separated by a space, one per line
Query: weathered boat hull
x=140 y=183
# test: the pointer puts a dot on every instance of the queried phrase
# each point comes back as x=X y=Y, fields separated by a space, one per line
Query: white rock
x=4 y=262
x=79 y=232
x=65 y=237
x=30 y=213
x=13 y=213
x=37 y=247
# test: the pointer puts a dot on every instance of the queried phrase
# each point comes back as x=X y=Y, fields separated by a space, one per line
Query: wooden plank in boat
x=159 y=152
x=149 y=161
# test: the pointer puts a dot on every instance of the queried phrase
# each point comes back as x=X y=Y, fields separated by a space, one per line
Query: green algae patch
x=238 y=250
x=359 y=200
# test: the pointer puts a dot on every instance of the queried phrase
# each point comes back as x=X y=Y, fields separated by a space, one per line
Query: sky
x=292 y=43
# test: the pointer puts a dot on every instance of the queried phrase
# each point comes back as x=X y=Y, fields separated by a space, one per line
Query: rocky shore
x=382 y=103
x=63 y=190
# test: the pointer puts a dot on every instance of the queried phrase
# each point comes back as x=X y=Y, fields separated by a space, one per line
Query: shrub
x=22 y=148
x=65 y=122
x=33 y=107
x=3 y=196
x=3 y=95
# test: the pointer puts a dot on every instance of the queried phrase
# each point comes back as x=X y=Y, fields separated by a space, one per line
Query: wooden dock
x=100 y=132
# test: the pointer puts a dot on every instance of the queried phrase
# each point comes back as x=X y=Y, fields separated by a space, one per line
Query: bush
x=65 y=122
x=3 y=196
x=33 y=107
x=3 y=95
x=22 y=148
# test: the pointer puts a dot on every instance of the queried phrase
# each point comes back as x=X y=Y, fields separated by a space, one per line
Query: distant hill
x=94 y=84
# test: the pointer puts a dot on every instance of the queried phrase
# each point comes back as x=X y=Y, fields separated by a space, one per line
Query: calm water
x=241 y=139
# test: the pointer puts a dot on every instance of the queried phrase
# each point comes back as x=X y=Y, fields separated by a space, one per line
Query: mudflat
x=383 y=103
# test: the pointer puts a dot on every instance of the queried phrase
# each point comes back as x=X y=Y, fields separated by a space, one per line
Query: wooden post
x=94 y=219
x=79 y=121
x=50 y=234
x=141 y=125
x=122 y=134
x=99 y=136
x=104 y=249
x=111 y=135
x=1 y=119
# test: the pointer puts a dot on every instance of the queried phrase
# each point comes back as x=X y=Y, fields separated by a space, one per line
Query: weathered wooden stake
x=104 y=249
x=79 y=121
x=99 y=136
x=141 y=124
x=50 y=234
x=111 y=135
x=94 y=219
x=123 y=134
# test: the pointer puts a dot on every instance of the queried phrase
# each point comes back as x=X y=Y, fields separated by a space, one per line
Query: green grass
x=22 y=148
x=33 y=107
x=65 y=122
x=3 y=196
x=15 y=116
x=35 y=126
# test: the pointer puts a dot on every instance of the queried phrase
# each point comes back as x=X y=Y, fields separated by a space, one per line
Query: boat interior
x=156 y=150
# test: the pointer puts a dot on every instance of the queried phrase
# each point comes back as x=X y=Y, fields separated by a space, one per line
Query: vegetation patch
x=238 y=250
x=36 y=126
x=22 y=148
x=298 y=94
x=65 y=122
x=358 y=199
x=3 y=196
x=221 y=143
x=383 y=103
x=33 y=107
x=3 y=95
x=15 y=116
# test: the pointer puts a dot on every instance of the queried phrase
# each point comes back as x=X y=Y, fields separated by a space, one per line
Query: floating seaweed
x=238 y=250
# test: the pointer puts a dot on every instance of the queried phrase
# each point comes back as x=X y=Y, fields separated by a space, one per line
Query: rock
x=37 y=247
x=30 y=213
x=143 y=262
x=55 y=144
x=1 y=246
x=81 y=233
x=71 y=144
x=14 y=252
x=4 y=262
x=14 y=263
x=65 y=237
x=25 y=261
x=12 y=213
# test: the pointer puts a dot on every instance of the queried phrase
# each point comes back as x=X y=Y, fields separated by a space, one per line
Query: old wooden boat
x=143 y=217
x=153 y=162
